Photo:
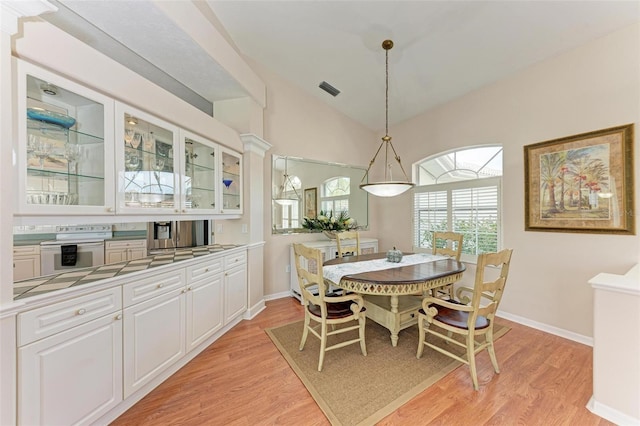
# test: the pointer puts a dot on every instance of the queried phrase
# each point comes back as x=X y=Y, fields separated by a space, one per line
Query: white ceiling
x=443 y=49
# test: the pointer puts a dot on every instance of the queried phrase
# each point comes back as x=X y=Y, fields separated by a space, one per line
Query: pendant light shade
x=284 y=197
x=388 y=187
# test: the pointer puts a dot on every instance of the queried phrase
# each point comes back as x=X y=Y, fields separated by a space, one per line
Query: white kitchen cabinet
x=123 y=250
x=202 y=181
x=64 y=146
x=204 y=306
x=231 y=190
x=154 y=338
x=70 y=360
x=235 y=286
x=26 y=262
x=329 y=250
x=148 y=156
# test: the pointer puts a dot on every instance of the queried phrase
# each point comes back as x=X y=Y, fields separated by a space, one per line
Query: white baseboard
x=611 y=414
x=280 y=295
x=254 y=310
x=585 y=340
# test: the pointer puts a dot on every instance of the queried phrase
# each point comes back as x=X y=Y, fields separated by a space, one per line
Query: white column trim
x=255 y=144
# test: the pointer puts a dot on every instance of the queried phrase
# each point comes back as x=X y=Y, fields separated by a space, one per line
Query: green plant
x=326 y=221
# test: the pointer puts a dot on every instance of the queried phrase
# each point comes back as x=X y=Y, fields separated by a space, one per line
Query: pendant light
x=388 y=187
x=283 y=198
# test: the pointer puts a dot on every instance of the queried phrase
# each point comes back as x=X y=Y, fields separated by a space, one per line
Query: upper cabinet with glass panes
x=148 y=163
x=201 y=174
x=64 y=146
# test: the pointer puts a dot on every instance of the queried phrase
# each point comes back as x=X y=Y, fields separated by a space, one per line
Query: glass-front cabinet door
x=147 y=161
x=64 y=148
x=200 y=174
x=231 y=167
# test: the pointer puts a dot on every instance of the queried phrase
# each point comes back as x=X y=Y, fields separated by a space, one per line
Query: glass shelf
x=52 y=131
x=60 y=175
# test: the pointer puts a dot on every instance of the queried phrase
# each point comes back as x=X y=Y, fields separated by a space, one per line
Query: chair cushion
x=456 y=318
x=334 y=310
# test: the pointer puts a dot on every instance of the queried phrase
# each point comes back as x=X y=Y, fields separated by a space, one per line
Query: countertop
x=76 y=277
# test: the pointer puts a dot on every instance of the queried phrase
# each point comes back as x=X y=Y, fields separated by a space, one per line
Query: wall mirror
x=302 y=187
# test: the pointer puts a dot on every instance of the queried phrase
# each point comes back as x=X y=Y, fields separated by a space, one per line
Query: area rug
x=356 y=390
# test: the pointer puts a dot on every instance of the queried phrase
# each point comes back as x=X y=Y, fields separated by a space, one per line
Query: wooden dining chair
x=467 y=317
x=446 y=244
x=348 y=243
x=326 y=311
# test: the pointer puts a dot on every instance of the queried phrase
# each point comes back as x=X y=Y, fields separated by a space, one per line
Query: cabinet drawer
x=25 y=250
x=46 y=321
x=235 y=259
x=205 y=269
x=119 y=245
x=149 y=287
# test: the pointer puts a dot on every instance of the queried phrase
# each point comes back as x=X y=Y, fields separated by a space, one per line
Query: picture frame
x=581 y=183
x=311 y=203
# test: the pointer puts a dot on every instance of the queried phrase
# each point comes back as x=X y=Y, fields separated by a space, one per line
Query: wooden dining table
x=393 y=295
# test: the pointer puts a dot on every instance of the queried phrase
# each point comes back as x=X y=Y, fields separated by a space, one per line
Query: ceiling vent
x=329 y=89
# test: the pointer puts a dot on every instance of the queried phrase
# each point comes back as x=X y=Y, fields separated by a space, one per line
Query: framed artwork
x=581 y=183
x=311 y=203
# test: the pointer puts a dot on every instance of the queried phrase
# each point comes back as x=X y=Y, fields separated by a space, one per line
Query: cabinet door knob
x=184 y=210
x=110 y=209
x=206 y=270
x=119 y=317
x=160 y=285
x=189 y=288
x=177 y=210
x=81 y=311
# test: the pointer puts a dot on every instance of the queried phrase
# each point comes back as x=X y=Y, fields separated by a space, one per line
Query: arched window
x=334 y=194
x=460 y=191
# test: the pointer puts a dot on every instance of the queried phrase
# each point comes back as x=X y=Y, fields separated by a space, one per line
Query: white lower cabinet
x=73 y=377
x=154 y=338
x=205 y=293
x=235 y=292
x=80 y=358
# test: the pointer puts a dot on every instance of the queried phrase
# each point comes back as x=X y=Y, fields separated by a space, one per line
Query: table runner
x=334 y=273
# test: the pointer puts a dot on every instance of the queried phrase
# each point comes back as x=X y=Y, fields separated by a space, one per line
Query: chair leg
x=492 y=351
x=305 y=332
x=471 y=357
x=421 y=319
x=363 y=346
x=323 y=345
x=450 y=288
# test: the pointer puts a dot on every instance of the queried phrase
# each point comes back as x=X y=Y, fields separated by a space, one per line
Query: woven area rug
x=356 y=390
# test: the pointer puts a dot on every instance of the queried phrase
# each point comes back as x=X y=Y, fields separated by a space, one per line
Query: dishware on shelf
x=135 y=140
x=132 y=162
x=51 y=117
x=158 y=165
x=42 y=150
x=227 y=182
x=148 y=140
x=72 y=154
x=128 y=136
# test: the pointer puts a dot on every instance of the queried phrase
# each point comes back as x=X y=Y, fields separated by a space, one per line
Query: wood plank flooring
x=242 y=379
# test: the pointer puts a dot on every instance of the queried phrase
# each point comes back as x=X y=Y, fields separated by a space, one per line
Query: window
x=334 y=195
x=460 y=192
x=291 y=213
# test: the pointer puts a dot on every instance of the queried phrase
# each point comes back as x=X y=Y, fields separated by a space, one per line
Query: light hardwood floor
x=242 y=379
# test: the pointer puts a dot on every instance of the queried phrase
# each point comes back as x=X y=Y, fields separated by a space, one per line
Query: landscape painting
x=581 y=183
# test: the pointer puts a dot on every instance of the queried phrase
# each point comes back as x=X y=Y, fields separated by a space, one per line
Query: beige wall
x=593 y=87
x=297 y=124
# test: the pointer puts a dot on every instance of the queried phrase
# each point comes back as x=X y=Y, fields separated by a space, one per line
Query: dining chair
x=468 y=316
x=326 y=310
x=446 y=244
x=348 y=243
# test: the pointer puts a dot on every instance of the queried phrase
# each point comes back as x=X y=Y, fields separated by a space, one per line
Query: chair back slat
x=489 y=289
x=447 y=244
x=348 y=242
x=304 y=258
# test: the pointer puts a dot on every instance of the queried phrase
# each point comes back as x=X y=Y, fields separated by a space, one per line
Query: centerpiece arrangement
x=329 y=223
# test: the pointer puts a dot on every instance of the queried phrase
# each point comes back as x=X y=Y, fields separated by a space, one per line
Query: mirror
x=302 y=188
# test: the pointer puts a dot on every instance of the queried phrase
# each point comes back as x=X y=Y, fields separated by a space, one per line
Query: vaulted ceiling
x=443 y=49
